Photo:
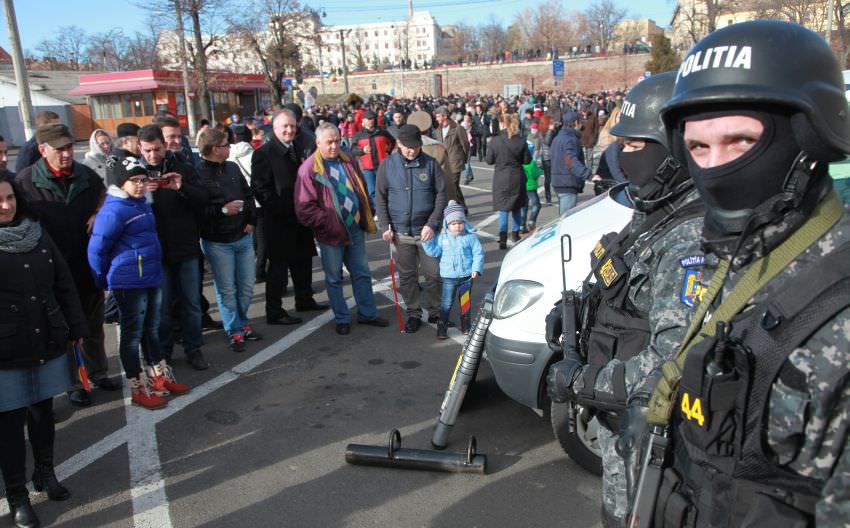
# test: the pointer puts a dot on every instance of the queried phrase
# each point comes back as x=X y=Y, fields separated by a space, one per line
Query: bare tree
x=602 y=17
x=545 y=27
x=205 y=21
x=840 y=22
x=493 y=38
x=66 y=49
x=275 y=30
x=358 y=45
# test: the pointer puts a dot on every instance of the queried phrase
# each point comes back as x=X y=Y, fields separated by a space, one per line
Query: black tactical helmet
x=640 y=114
x=770 y=62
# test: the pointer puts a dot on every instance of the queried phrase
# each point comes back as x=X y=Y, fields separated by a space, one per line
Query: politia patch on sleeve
x=693 y=260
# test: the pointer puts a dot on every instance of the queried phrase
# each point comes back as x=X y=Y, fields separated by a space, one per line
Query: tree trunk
x=200 y=61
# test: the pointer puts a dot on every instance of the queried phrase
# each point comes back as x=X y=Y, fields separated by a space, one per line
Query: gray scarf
x=20 y=238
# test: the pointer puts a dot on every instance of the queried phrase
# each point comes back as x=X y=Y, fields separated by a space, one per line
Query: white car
x=530 y=283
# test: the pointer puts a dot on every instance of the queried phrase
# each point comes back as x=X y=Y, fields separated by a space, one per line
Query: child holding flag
x=461 y=260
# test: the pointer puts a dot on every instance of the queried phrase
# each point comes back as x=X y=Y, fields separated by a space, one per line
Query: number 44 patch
x=692 y=411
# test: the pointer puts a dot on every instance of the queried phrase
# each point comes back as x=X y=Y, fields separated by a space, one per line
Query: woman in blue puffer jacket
x=461 y=260
x=124 y=254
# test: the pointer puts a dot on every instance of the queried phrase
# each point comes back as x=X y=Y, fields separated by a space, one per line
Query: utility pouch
x=709 y=399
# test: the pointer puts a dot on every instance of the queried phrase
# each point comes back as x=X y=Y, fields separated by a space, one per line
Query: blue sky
x=39 y=19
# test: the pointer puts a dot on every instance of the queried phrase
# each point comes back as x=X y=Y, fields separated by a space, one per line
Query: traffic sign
x=558 y=69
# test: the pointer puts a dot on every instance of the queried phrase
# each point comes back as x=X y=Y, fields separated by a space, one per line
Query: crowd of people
x=127 y=234
x=755 y=407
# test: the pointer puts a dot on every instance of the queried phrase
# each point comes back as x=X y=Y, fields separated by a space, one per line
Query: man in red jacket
x=371 y=145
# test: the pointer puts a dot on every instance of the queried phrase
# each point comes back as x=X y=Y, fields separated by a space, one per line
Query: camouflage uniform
x=806 y=432
x=658 y=283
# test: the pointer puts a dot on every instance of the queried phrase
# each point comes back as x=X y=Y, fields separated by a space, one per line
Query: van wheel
x=582 y=445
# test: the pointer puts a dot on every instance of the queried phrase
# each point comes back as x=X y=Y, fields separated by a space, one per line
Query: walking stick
x=395 y=290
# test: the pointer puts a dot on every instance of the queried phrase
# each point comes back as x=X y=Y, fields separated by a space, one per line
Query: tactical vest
x=720 y=474
x=612 y=326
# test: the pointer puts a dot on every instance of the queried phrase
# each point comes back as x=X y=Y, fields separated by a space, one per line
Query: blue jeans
x=233 y=269
x=450 y=286
x=533 y=208
x=354 y=257
x=516 y=216
x=468 y=173
x=370 y=176
x=566 y=201
x=181 y=283
x=138 y=316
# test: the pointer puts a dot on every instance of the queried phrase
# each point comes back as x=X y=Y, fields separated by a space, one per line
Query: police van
x=530 y=283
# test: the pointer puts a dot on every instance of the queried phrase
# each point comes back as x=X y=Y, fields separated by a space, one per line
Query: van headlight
x=515 y=296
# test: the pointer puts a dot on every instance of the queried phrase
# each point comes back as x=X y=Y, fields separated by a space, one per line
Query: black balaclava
x=757 y=175
x=766 y=185
x=640 y=166
x=655 y=178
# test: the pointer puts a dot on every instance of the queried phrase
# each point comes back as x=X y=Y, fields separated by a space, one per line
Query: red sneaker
x=237 y=343
x=249 y=334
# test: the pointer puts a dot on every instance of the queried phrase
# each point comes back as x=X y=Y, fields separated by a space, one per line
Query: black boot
x=465 y=324
x=44 y=477
x=503 y=240
x=442 y=330
x=515 y=236
x=21 y=509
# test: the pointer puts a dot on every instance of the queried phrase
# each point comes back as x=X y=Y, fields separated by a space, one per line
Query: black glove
x=553 y=328
x=561 y=376
x=632 y=428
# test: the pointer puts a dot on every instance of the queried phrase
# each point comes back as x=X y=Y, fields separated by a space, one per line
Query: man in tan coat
x=456 y=142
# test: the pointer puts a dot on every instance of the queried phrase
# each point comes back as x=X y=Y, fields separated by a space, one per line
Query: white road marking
x=148 y=488
x=149 y=498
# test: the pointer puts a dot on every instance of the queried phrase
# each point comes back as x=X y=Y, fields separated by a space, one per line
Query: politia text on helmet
x=717 y=57
x=628 y=109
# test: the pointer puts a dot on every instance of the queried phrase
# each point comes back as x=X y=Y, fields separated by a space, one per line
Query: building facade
x=367 y=46
x=691 y=20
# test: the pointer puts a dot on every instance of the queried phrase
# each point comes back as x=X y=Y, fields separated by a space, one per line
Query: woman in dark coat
x=42 y=315
x=508 y=152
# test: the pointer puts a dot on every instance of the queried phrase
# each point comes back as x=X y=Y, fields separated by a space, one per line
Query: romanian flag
x=81 y=369
x=464 y=290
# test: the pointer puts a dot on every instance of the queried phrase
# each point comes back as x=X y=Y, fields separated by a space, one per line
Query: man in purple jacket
x=331 y=199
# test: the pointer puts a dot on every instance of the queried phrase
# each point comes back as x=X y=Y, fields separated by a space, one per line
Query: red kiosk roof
x=149 y=80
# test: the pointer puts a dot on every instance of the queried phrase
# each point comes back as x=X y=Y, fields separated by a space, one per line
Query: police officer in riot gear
x=643 y=285
x=754 y=410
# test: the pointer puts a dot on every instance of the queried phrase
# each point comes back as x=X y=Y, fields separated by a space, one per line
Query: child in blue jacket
x=125 y=256
x=461 y=260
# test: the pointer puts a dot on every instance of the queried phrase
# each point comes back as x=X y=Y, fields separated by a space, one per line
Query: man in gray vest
x=411 y=196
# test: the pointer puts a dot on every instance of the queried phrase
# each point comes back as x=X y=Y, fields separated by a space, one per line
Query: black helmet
x=769 y=62
x=640 y=114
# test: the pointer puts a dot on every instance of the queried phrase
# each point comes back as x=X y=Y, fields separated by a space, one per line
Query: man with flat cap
x=411 y=196
x=453 y=137
x=66 y=195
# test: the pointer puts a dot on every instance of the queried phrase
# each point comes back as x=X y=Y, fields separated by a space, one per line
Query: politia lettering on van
x=628 y=109
x=717 y=57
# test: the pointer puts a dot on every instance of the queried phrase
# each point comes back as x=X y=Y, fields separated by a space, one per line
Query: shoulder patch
x=693 y=260
x=608 y=273
x=692 y=288
x=598 y=250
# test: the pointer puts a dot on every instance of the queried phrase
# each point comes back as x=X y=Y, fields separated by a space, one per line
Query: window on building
x=386 y=45
x=376 y=32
